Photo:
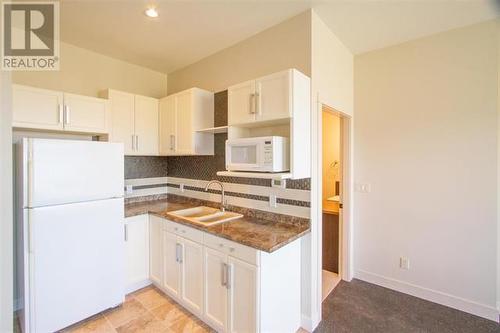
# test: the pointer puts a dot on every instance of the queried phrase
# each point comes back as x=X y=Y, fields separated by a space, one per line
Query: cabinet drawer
x=184 y=231
x=231 y=248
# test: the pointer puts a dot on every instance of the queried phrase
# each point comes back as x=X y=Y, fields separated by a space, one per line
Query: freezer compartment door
x=76 y=262
x=66 y=171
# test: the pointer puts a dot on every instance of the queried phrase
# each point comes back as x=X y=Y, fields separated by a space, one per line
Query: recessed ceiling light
x=151 y=12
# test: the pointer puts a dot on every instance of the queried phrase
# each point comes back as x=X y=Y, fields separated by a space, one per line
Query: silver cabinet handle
x=126 y=232
x=228 y=276
x=257 y=103
x=171 y=142
x=61 y=116
x=133 y=142
x=136 y=142
x=252 y=103
x=178 y=253
x=66 y=115
x=223 y=274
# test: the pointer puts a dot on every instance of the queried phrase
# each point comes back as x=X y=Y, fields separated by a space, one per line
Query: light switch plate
x=181 y=187
x=362 y=188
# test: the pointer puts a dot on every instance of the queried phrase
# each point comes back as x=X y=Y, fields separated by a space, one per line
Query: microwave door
x=244 y=157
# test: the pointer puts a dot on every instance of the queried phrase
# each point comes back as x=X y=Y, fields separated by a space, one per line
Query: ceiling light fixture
x=151 y=12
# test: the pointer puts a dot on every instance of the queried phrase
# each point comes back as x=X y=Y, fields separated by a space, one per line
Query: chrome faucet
x=223 y=201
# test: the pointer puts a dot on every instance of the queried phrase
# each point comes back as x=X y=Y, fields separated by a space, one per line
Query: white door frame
x=6 y=206
x=346 y=258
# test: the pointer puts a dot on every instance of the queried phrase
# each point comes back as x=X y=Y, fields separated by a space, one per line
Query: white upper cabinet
x=272 y=97
x=44 y=109
x=85 y=114
x=241 y=103
x=146 y=125
x=134 y=122
x=182 y=115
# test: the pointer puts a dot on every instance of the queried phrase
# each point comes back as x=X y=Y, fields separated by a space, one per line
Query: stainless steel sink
x=205 y=215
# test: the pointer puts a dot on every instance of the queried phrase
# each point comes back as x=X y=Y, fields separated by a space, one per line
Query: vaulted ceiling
x=188 y=31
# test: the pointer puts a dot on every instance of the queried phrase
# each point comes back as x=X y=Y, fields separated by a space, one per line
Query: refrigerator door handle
x=126 y=232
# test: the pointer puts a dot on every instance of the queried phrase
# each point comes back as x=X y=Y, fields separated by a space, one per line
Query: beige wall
x=426 y=140
x=286 y=45
x=86 y=72
x=6 y=214
x=331 y=155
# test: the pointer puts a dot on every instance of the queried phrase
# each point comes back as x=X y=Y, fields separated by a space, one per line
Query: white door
x=273 y=96
x=76 y=262
x=146 y=125
x=241 y=103
x=155 y=250
x=242 y=286
x=137 y=249
x=184 y=137
x=171 y=265
x=85 y=114
x=122 y=119
x=167 y=125
x=37 y=108
x=192 y=275
x=66 y=171
x=215 y=307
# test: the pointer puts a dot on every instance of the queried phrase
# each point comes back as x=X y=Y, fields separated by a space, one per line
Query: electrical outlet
x=272 y=200
x=181 y=187
x=129 y=189
x=404 y=263
x=281 y=183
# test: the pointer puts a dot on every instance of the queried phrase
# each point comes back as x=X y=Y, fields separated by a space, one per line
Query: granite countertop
x=262 y=234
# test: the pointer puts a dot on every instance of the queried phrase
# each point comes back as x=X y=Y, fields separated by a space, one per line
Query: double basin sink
x=206 y=216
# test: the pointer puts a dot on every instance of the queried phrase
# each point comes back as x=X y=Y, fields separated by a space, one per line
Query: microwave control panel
x=268 y=152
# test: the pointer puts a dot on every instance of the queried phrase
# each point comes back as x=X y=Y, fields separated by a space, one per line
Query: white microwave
x=261 y=154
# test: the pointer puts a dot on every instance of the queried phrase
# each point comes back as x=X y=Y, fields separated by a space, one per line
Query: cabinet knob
x=231 y=249
x=221 y=245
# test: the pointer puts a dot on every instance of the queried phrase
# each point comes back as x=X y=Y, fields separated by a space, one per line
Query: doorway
x=332 y=184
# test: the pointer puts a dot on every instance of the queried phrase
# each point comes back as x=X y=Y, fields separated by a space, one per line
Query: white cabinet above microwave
x=272 y=97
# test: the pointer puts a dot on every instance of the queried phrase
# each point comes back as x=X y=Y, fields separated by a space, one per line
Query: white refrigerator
x=70 y=222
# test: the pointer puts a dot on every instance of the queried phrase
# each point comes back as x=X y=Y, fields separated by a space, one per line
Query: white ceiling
x=188 y=31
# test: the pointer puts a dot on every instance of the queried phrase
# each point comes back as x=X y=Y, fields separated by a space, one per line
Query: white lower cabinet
x=137 y=252
x=156 y=250
x=215 y=289
x=231 y=287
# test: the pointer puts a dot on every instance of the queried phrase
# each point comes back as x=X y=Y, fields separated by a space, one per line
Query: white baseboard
x=137 y=285
x=462 y=304
x=306 y=323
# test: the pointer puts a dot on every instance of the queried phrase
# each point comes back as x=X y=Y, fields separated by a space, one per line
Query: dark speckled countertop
x=262 y=234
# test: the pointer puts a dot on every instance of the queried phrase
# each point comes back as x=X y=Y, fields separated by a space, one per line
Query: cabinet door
x=171 y=266
x=242 y=286
x=241 y=103
x=146 y=125
x=137 y=248
x=37 y=108
x=273 y=96
x=155 y=250
x=85 y=114
x=122 y=119
x=215 y=307
x=184 y=135
x=167 y=126
x=192 y=275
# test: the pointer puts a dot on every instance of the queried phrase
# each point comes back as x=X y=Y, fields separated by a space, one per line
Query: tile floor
x=146 y=310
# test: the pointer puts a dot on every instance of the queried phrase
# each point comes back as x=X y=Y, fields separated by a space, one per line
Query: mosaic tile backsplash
x=145 y=166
